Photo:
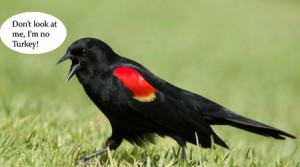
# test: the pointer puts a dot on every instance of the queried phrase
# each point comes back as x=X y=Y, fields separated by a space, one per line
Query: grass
x=242 y=54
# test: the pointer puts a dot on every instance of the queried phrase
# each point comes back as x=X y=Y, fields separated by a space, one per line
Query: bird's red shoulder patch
x=134 y=81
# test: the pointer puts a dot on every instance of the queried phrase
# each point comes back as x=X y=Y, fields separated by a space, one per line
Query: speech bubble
x=33 y=33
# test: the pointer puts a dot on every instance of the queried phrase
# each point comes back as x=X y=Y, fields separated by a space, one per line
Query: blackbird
x=140 y=106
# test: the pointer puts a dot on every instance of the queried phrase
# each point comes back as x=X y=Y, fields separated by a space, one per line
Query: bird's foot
x=84 y=160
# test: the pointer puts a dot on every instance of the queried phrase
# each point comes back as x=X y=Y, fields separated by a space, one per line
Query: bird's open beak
x=74 y=67
x=65 y=57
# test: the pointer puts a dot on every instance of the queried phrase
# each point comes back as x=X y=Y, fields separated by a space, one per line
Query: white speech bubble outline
x=49 y=37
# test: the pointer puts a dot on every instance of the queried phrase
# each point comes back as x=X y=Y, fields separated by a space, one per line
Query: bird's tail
x=229 y=118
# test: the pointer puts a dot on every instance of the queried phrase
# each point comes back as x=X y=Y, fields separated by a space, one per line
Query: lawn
x=244 y=55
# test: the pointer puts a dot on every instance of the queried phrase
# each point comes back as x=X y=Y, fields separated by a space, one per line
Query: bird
x=141 y=106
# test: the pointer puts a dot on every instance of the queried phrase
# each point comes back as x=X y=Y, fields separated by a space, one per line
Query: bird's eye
x=79 y=52
x=84 y=52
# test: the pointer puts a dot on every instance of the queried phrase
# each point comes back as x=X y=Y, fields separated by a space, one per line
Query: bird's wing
x=201 y=109
x=164 y=104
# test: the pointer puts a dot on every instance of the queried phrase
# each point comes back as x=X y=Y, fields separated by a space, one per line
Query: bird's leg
x=183 y=154
x=88 y=157
x=182 y=144
x=112 y=143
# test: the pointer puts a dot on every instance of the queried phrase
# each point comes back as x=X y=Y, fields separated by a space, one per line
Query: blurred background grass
x=244 y=55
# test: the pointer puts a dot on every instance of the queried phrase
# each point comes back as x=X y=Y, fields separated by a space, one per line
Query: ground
x=241 y=54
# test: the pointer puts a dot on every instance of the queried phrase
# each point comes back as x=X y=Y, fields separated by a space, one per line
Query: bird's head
x=88 y=55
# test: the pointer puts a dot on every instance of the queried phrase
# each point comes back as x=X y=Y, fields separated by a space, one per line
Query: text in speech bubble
x=33 y=33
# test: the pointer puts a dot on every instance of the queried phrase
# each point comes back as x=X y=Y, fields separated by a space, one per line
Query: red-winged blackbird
x=140 y=105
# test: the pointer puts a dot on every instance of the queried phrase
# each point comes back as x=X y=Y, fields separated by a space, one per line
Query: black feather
x=171 y=111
